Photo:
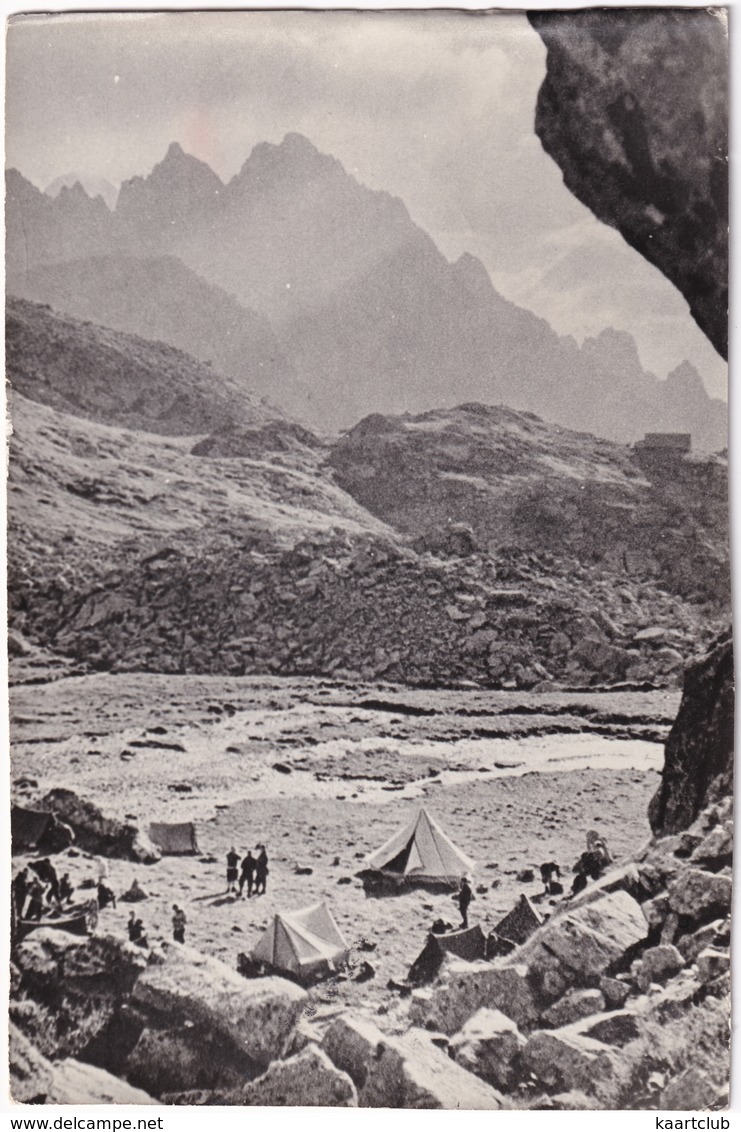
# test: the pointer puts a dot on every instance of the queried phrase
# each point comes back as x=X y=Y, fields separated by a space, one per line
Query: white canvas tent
x=302 y=942
x=421 y=851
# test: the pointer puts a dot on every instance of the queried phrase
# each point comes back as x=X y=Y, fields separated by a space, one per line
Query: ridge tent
x=468 y=944
x=421 y=851
x=305 y=943
x=174 y=838
x=28 y=827
x=519 y=924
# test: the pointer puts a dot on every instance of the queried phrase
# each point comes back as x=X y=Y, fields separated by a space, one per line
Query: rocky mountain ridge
x=160 y=299
x=109 y=377
x=259 y=548
x=370 y=316
x=517 y=481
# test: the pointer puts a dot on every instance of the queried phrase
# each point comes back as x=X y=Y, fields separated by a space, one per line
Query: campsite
x=199 y=758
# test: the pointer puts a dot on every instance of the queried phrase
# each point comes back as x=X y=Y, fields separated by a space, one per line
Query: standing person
x=261 y=872
x=232 y=866
x=36 y=901
x=65 y=889
x=179 y=920
x=51 y=878
x=465 y=896
x=131 y=925
x=249 y=866
x=20 y=887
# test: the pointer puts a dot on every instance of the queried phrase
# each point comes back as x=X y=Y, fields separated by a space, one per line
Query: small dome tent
x=306 y=943
x=421 y=851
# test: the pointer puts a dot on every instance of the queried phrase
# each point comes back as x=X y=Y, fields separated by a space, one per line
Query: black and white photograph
x=370 y=668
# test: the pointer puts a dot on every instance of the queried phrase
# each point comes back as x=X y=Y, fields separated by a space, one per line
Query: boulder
x=489 y=1045
x=698 y=764
x=634 y=109
x=656 y=965
x=573 y=1006
x=616 y=1028
x=675 y=999
x=573 y=1101
x=614 y=991
x=406 y=1072
x=419 y=1005
x=30 y=1073
x=464 y=988
x=49 y=955
x=716 y=849
x=626 y=878
x=712 y=963
x=600 y=656
x=565 y=1060
x=308 y=1079
x=96 y=833
x=690 y=1091
x=258 y=1015
x=657 y=911
x=576 y=946
x=75 y=1082
x=183 y=1058
x=700 y=895
x=691 y=945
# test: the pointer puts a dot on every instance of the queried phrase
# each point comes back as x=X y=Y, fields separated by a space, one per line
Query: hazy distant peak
x=473 y=274
x=297 y=143
x=16 y=183
x=294 y=156
x=616 y=347
x=75 y=191
x=685 y=379
x=93 y=186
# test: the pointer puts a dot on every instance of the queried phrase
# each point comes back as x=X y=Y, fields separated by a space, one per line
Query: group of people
x=590 y=866
x=252 y=871
x=137 y=933
x=38 y=891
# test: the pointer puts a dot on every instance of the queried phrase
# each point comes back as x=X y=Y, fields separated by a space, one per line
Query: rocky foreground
x=619 y=1000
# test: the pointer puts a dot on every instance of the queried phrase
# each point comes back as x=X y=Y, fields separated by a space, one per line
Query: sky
x=434 y=107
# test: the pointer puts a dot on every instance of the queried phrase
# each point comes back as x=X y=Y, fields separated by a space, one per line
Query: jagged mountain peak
x=294 y=158
x=75 y=191
x=93 y=186
x=617 y=348
x=178 y=172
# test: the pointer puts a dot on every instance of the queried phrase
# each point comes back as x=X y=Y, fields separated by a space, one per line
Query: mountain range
x=93 y=186
x=338 y=305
